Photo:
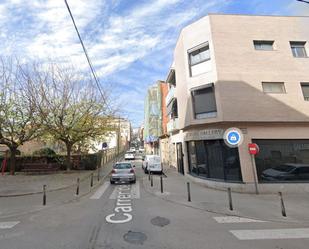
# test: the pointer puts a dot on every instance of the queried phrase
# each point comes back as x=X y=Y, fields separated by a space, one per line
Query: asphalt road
x=128 y=216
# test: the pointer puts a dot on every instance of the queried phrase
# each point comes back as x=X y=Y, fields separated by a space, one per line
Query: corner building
x=249 y=72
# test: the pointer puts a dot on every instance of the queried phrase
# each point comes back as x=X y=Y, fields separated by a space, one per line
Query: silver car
x=123 y=172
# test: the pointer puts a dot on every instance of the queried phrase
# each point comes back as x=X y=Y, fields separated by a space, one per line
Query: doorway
x=180 y=158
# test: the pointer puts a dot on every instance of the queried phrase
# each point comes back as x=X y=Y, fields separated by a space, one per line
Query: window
x=198 y=57
x=305 y=89
x=273 y=87
x=172 y=109
x=204 y=102
x=263 y=45
x=292 y=165
x=298 y=49
x=214 y=159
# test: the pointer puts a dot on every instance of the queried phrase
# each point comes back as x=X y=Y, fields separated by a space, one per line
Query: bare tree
x=18 y=118
x=70 y=108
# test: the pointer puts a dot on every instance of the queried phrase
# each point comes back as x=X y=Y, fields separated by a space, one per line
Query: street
x=129 y=216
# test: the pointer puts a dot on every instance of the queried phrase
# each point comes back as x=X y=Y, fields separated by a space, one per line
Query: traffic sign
x=233 y=137
x=253 y=149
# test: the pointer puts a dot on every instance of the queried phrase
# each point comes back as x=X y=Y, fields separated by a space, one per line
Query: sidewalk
x=266 y=207
x=22 y=194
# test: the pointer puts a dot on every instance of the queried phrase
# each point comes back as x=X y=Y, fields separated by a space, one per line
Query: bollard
x=151 y=181
x=44 y=195
x=282 y=205
x=77 y=187
x=148 y=174
x=161 y=183
x=99 y=173
x=229 y=192
x=91 y=180
x=188 y=189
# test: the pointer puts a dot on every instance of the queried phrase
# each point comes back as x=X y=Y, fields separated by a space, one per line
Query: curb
x=218 y=212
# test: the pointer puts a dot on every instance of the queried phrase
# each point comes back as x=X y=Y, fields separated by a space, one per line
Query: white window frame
x=298 y=44
x=264 y=83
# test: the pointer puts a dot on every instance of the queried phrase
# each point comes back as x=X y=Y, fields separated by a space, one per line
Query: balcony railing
x=173 y=125
x=170 y=95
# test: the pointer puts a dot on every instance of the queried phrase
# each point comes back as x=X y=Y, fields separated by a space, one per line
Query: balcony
x=169 y=97
x=173 y=125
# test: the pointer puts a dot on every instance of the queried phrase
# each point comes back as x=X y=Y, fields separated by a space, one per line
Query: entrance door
x=180 y=158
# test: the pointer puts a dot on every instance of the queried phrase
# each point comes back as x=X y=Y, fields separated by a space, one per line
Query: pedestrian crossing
x=97 y=195
x=235 y=219
x=134 y=191
x=261 y=234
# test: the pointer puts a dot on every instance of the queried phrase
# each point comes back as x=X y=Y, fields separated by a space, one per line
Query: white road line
x=293 y=233
x=100 y=191
x=114 y=194
x=135 y=191
x=8 y=224
x=235 y=219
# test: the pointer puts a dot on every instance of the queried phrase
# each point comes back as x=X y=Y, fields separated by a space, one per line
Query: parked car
x=123 y=172
x=152 y=163
x=129 y=155
x=141 y=150
x=132 y=149
x=287 y=172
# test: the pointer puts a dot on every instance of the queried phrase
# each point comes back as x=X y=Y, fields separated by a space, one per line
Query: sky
x=130 y=42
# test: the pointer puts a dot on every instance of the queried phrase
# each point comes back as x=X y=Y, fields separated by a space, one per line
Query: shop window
x=214 y=160
x=283 y=160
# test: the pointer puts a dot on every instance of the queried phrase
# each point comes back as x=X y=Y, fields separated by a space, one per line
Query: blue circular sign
x=233 y=137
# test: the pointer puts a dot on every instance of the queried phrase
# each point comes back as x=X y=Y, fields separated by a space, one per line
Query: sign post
x=254 y=150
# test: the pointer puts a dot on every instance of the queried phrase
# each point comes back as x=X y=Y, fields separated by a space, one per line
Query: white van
x=152 y=163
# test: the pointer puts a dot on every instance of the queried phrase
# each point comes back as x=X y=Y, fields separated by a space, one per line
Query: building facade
x=153 y=118
x=249 y=72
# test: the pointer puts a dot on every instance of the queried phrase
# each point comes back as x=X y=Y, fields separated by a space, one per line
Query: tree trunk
x=68 y=159
x=13 y=151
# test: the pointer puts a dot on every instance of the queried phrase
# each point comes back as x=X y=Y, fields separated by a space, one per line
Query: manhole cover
x=137 y=238
x=160 y=221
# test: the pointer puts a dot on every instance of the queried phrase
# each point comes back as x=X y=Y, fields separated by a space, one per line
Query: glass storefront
x=282 y=160
x=213 y=159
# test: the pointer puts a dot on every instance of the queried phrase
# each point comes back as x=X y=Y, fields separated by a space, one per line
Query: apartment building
x=249 y=72
x=153 y=118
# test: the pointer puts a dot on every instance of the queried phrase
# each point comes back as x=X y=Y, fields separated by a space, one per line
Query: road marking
x=293 y=233
x=235 y=219
x=100 y=191
x=135 y=192
x=113 y=195
x=123 y=209
x=8 y=224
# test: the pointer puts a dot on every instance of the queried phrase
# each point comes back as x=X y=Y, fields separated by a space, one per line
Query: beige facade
x=238 y=72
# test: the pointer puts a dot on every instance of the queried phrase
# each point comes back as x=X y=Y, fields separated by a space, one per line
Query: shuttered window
x=204 y=101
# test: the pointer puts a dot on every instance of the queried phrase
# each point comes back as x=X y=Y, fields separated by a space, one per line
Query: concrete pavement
x=26 y=195
x=155 y=223
x=261 y=207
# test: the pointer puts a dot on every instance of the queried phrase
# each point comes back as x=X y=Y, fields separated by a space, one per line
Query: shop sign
x=207 y=134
